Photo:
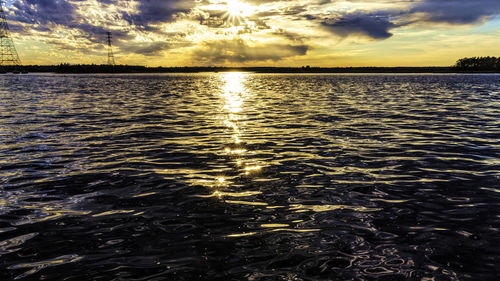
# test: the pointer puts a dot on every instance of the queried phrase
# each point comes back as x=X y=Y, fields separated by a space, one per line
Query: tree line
x=474 y=64
x=93 y=68
x=478 y=64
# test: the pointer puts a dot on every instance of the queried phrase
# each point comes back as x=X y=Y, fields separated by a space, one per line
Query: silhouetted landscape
x=466 y=65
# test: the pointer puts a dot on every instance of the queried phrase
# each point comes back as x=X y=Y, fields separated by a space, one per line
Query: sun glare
x=236 y=11
x=234 y=8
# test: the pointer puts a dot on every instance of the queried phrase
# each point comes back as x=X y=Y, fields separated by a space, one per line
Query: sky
x=324 y=33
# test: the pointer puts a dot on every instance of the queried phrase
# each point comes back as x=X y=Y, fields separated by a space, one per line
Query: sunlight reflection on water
x=233 y=95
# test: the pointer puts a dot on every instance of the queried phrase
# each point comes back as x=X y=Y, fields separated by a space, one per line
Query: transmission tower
x=111 y=57
x=8 y=53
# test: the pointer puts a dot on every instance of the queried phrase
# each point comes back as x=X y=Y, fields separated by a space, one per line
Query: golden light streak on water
x=233 y=95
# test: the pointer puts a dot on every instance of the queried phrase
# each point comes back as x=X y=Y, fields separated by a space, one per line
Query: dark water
x=250 y=177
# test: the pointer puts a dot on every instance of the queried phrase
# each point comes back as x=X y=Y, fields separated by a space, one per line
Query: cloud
x=85 y=23
x=237 y=50
x=379 y=23
x=150 y=48
x=213 y=19
x=292 y=36
x=456 y=11
x=154 y=11
x=43 y=12
x=373 y=26
x=64 y=12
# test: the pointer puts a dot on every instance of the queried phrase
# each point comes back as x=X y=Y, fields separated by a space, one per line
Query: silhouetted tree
x=478 y=64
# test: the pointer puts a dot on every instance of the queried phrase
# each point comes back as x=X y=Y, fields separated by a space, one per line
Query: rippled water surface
x=238 y=176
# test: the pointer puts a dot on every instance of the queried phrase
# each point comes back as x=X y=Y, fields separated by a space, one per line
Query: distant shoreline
x=103 y=69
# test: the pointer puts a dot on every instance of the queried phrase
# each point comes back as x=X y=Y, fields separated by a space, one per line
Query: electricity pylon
x=111 y=57
x=8 y=53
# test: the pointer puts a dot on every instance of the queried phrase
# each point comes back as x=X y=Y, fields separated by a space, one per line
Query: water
x=241 y=176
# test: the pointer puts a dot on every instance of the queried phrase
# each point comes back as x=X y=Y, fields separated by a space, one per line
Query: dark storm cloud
x=41 y=14
x=154 y=11
x=456 y=11
x=374 y=26
x=237 y=50
x=377 y=25
x=62 y=12
x=43 y=11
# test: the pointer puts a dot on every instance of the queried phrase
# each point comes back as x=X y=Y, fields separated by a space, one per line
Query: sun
x=236 y=11
x=235 y=8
